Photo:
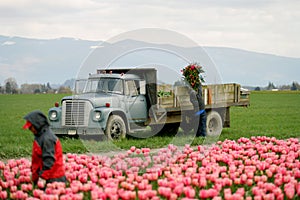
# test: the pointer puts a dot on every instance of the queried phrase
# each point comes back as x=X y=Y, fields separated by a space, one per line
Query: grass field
x=270 y=113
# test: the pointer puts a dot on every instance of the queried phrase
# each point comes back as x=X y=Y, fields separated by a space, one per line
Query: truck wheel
x=214 y=123
x=116 y=128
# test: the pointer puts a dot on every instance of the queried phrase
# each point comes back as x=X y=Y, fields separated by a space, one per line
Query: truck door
x=135 y=102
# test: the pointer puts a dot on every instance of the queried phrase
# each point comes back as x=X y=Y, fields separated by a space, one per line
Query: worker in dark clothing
x=199 y=108
x=202 y=114
x=47 y=155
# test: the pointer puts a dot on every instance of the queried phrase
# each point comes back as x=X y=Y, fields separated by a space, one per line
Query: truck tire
x=116 y=128
x=214 y=124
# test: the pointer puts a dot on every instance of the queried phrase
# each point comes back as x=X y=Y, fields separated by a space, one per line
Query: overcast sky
x=268 y=26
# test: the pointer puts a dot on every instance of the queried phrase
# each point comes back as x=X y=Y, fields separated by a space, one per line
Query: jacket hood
x=37 y=119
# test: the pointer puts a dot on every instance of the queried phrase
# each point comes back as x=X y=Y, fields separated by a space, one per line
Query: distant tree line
x=11 y=87
x=294 y=86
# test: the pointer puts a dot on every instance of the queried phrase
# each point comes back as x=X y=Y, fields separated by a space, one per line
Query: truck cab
x=108 y=104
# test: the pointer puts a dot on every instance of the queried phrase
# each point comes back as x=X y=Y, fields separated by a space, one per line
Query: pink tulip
x=145 y=150
x=278 y=182
x=269 y=173
x=264 y=178
x=164 y=191
x=178 y=189
x=227 y=193
x=289 y=190
x=213 y=193
x=3 y=195
x=204 y=194
x=173 y=196
x=277 y=191
x=138 y=151
x=249 y=182
x=240 y=191
x=113 y=196
x=217 y=198
x=202 y=182
x=41 y=184
x=280 y=197
x=269 y=196
x=257 y=191
x=132 y=149
x=126 y=195
x=298 y=188
x=243 y=178
x=187 y=181
x=189 y=192
x=258 y=197
x=13 y=188
x=142 y=195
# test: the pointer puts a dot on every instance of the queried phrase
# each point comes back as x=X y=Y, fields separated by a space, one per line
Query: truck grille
x=76 y=113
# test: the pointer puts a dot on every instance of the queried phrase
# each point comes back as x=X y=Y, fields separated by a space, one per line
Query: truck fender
x=107 y=112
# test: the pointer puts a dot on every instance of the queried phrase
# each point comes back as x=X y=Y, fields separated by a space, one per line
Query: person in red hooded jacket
x=47 y=154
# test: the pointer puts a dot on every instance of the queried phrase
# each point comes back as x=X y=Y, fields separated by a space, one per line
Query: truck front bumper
x=77 y=131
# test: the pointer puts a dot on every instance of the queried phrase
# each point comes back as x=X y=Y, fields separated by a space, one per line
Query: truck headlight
x=97 y=115
x=53 y=115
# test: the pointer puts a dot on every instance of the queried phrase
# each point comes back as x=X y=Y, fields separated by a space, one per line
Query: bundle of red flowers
x=193 y=75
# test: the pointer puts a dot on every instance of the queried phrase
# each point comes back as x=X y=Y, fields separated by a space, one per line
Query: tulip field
x=259 y=168
x=258 y=157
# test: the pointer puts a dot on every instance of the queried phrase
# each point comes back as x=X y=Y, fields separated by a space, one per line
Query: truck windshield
x=106 y=85
x=80 y=85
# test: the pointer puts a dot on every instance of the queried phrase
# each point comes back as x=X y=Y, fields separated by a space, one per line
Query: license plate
x=71 y=132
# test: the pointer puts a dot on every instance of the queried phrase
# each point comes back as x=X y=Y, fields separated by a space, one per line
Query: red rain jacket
x=47 y=155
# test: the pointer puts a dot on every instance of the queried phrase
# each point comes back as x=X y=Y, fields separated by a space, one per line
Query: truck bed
x=215 y=96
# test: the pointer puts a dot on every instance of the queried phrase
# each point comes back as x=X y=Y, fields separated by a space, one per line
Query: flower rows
x=255 y=168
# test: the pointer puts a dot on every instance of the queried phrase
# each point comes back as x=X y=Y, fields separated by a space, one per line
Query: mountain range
x=58 y=60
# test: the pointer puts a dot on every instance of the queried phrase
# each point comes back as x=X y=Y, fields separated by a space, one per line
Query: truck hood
x=98 y=100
